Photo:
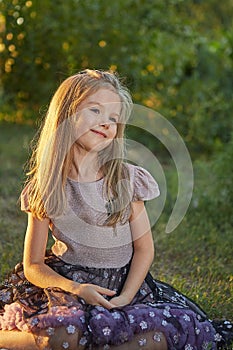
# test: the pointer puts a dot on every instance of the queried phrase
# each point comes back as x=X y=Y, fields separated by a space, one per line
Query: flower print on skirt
x=156 y=307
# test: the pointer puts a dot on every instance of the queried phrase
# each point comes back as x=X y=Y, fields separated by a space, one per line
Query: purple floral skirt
x=156 y=307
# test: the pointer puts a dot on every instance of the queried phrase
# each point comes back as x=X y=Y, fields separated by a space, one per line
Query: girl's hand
x=119 y=301
x=93 y=294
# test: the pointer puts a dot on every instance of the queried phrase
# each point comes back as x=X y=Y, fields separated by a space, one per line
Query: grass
x=199 y=264
x=14 y=150
x=195 y=259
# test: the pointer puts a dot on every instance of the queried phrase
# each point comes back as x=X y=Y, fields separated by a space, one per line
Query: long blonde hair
x=53 y=155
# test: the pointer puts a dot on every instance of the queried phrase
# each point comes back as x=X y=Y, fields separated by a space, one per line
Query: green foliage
x=214 y=198
x=176 y=54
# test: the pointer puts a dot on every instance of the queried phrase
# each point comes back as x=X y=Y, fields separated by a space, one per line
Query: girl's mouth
x=99 y=132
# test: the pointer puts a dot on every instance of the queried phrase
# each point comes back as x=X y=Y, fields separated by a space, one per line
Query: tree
x=176 y=55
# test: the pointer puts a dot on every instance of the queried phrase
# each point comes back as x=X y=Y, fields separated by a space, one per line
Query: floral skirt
x=157 y=307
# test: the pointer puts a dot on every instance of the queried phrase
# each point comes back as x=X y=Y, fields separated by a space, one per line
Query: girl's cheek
x=80 y=129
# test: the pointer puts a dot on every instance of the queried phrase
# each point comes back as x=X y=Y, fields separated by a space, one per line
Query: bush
x=214 y=197
x=176 y=54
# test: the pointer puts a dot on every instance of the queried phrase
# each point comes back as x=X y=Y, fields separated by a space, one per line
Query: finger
x=105 y=291
x=116 y=302
x=103 y=302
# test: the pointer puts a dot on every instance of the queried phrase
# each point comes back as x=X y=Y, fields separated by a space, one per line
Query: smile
x=99 y=133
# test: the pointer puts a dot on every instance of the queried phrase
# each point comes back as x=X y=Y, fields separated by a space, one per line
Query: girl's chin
x=99 y=147
x=95 y=148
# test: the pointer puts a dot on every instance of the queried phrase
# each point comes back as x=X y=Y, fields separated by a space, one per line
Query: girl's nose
x=104 y=122
x=104 y=125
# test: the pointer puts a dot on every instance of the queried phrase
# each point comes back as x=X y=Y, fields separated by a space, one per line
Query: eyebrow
x=101 y=104
x=94 y=102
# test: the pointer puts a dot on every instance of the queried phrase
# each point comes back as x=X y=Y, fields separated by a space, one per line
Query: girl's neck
x=85 y=167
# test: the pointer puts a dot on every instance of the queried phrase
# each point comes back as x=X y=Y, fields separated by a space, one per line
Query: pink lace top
x=81 y=235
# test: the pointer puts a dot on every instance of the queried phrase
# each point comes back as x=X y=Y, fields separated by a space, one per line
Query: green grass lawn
x=14 y=150
x=196 y=261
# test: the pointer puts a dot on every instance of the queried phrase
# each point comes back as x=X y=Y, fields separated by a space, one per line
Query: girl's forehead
x=103 y=96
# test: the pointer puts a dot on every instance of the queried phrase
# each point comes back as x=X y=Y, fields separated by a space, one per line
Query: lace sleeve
x=145 y=186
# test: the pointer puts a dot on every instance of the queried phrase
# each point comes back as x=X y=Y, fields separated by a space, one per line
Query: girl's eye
x=113 y=119
x=95 y=110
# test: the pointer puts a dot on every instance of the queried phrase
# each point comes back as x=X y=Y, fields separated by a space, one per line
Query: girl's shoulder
x=145 y=187
x=24 y=197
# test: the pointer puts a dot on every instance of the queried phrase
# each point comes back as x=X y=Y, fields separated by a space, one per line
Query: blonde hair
x=53 y=155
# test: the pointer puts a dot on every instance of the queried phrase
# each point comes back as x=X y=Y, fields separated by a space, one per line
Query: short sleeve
x=24 y=201
x=145 y=187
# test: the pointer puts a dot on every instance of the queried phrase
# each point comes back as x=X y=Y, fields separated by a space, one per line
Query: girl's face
x=97 y=118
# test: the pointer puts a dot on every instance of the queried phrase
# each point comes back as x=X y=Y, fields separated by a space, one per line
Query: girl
x=93 y=290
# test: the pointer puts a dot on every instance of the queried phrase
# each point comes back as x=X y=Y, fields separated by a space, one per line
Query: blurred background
x=176 y=57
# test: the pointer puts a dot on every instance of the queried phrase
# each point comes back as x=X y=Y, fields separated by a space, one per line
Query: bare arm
x=38 y=273
x=142 y=257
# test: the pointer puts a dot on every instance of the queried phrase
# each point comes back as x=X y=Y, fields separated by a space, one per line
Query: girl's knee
x=160 y=341
x=153 y=340
x=17 y=340
x=59 y=339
